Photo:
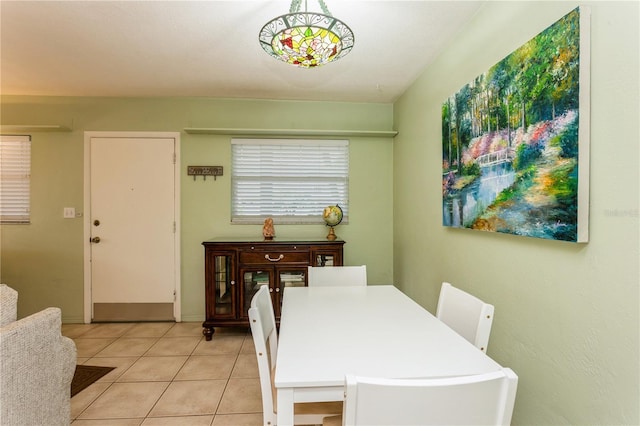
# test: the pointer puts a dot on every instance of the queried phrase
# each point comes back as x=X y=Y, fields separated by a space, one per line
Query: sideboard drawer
x=273 y=257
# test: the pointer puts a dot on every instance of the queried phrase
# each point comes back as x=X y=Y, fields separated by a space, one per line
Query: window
x=15 y=176
x=290 y=180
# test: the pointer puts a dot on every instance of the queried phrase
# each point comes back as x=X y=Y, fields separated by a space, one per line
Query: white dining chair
x=485 y=399
x=466 y=314
x=336 y=276
x=265 y=339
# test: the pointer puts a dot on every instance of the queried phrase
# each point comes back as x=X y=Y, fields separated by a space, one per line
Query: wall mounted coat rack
x=204 y=171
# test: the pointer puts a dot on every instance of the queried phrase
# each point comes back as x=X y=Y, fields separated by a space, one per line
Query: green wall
x=566 y=316
x=44 y=260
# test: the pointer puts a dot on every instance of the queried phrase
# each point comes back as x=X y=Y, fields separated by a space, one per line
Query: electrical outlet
x=69 y=212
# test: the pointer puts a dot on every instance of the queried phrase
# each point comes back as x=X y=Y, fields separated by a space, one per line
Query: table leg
x=285 y=406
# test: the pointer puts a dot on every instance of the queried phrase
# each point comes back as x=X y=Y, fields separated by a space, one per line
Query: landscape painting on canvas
x=515 y=153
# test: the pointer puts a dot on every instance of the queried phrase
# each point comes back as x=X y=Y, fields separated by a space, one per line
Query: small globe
x=332 y=215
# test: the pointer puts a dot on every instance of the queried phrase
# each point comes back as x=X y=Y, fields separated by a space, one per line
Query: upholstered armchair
x=37 y=365
x=8 y=305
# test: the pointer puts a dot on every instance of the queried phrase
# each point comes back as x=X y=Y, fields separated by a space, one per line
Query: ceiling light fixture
x=306 y=39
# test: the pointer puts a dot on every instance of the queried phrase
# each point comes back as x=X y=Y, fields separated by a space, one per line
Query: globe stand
x=331 y=236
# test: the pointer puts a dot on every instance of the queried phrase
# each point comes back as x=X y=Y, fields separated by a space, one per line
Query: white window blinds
x=15 y=176
x=290 y=180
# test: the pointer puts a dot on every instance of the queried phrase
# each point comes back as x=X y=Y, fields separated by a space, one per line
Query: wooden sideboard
x=235 y=268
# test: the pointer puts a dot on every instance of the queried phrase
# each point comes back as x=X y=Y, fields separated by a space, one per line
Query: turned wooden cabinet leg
x=208 y=333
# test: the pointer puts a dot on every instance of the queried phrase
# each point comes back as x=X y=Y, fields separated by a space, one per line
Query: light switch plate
x=69 y=212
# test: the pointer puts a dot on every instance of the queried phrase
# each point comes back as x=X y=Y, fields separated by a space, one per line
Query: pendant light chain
x=295 y=6
x=324 y=7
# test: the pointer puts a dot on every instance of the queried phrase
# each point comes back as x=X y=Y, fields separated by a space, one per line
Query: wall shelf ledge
x=29 y=128
x=275 y=133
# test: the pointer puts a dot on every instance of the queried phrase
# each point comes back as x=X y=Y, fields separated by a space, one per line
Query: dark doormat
x=86 y=375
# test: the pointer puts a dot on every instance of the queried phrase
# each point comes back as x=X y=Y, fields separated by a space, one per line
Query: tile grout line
x=196 y=351
x=172 y=379
x=226 y=385
x=110 y=384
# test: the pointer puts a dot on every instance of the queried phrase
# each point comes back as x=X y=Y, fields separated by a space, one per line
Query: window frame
x=15 y=179
x=263 y=166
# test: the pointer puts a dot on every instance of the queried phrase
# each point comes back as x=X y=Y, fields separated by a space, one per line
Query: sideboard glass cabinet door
x=325 y=258
x=252 y=279
x=287 y=277
x=276 y=279
x=224 y=292
x=224 y=302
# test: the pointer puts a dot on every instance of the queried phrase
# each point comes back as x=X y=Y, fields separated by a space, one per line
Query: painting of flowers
x=515 y=140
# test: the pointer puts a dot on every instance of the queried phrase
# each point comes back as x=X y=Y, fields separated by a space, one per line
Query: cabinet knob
x=278 y=290
x=233 y=282
x=270 y=290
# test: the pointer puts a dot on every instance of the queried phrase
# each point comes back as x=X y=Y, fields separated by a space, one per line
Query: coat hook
x=204 y=171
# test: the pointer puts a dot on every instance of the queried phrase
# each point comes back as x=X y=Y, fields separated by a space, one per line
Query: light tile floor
x=167 y=374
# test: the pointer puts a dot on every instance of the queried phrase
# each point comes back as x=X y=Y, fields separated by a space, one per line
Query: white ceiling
x=210 y=48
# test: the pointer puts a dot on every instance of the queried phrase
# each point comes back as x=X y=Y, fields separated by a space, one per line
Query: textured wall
x=44 y=260
x=566 y=317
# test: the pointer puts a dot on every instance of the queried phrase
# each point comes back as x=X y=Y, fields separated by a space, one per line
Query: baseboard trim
x=192 y=318
x=125 y=312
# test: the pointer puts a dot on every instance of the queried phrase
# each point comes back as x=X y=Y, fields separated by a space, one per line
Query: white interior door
x=132 y=226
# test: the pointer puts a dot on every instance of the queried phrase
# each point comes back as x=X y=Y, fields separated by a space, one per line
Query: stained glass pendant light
x=306 y=39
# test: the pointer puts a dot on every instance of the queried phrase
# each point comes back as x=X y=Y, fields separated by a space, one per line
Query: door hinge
x=174 y=295
x=174 y=226
x=174 y=158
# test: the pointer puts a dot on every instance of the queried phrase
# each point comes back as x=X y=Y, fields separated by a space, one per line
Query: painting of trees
x=510 y=145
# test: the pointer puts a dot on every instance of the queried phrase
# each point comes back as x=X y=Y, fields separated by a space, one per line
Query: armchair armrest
x=37 y=365
x=8 y=305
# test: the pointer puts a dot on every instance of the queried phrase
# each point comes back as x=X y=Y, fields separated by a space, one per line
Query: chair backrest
x=337 y=276
x=265 y=339
x=466 y=314
x=485 y=399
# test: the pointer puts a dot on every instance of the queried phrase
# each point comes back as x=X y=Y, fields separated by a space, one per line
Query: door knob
x=95 y=240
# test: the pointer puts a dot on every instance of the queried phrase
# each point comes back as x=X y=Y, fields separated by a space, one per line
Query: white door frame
x=87 y=213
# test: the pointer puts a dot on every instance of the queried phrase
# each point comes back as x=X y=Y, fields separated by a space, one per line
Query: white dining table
x=378 y=331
